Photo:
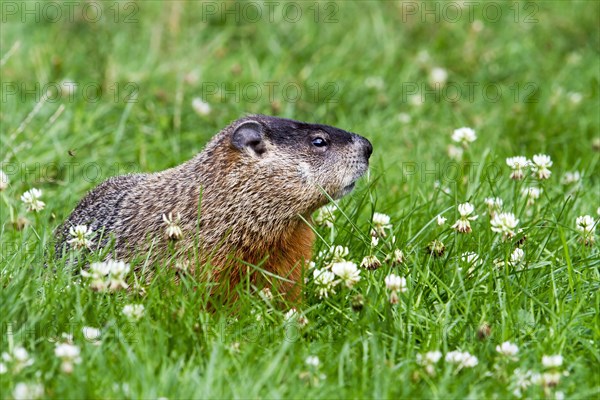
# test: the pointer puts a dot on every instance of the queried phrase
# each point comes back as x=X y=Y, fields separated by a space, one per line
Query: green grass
x=178 y=349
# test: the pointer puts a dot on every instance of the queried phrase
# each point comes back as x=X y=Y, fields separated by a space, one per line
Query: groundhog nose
x=368 y=148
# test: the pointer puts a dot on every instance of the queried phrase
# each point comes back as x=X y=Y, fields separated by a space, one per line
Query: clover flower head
x=370 y=262
x=462 y=359
x=173 y=230
x=3 y=181
x=134 y=312
x=507 y=349
x=31 y=199
x=347 y=271
x=325 y=282
x=552 y=361
x=463 y=224
x=518 y=164
x=80 y=236
x=532 y=194
x=325 y=215
x=464 y=136
x=540 y=166
x=505 y=223
x=381 y=222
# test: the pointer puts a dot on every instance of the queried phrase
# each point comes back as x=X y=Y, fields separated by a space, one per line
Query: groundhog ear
x=249 y=136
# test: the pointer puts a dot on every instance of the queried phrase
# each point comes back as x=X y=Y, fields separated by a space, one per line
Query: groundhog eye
x=319 y=142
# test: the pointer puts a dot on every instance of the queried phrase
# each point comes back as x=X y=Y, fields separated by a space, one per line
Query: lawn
x=97 y=89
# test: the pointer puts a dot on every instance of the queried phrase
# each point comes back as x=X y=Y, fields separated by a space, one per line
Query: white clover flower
x=455 y=152
x=31 y=391
x=134 y=312
x=338 y=253
x=97 y=275
x=436 y=248
x=3 y=181
x=532 y=194
x=347 y=271
x=118 y=271
x=91 y=334
x=438 y=77
x=540 y=166
x=505 y=223
x=312 y=361
x=550 y=379
x=21 y=356
x=395 y=283
x=507 y=349
x=67 y=337
x=432 y=357
x=325 y=281
x=464 y=136
x=517 y=256
x=553 y=361
x=3 y=368
x=200 y=106
x=470 y=257
x=381 y=222
x=494 y=205
x=397 y=257
x=294 y=316
x=31 y=200
x=80 y=236
x=462 y=224
x=325 y=215
x=69 y=355
x=290 y=315
x=441 y=220
x=517 y=164
x=571 y=177
x=494 y=202
x=374 y=241
x=370 y=262
x=173 y=230
x=266 y=294
x=462 y=359
x=585 y=224
x=18 y=359
x=107 y=275
x=470 y=361
x=428 y=360
x=521 y=381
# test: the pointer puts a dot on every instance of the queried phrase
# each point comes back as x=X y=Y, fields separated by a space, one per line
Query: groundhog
x=244 y=200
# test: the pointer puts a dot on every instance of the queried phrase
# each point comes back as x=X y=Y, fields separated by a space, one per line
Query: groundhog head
x=304 y=159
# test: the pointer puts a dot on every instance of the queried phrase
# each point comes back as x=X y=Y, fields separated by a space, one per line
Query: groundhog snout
x=365 y=145
x=367 y=148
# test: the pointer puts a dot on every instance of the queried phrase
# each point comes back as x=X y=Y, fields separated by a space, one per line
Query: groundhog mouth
x=345 y=190
x=350 y=187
